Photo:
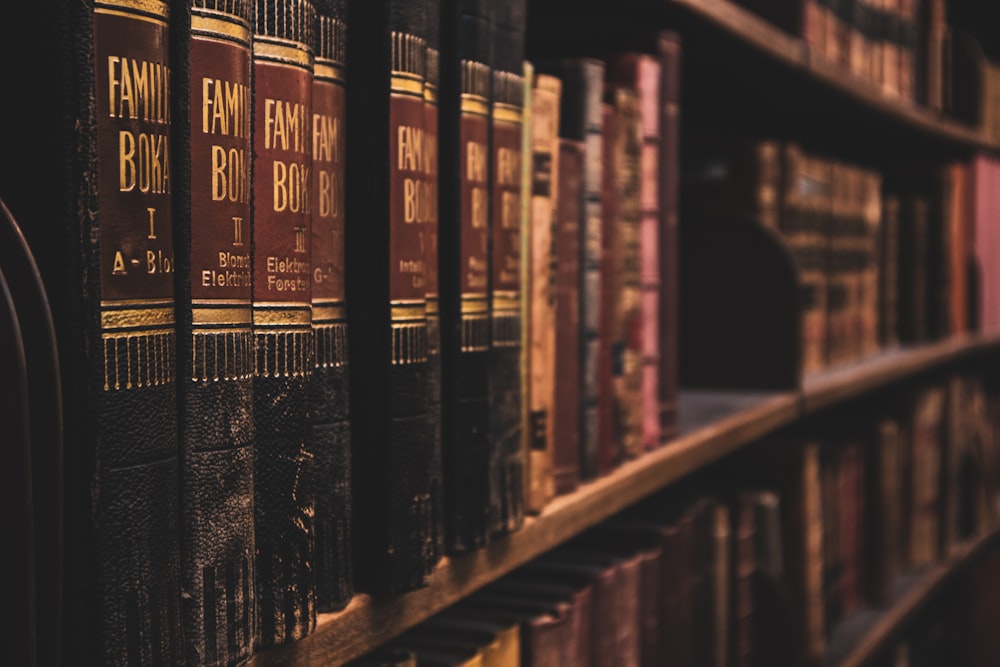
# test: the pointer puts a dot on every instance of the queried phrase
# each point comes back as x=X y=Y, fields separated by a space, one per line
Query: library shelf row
x=865 y=635
x=714 y=425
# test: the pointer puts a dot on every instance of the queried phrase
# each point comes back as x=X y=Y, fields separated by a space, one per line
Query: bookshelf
x=714 y=425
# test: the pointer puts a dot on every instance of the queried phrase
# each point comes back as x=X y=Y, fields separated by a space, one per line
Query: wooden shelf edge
x=369 y=622
x=840 y=384
x=893 y=620
x=791 y=50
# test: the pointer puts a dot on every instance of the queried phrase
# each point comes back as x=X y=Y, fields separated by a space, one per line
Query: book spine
x=541 y=321
x=814 y=26
x=464 y=276
x=432 y=83
x=126 y=481
x=330 y=436
x=212 y=177
x=722 y=566
x=284 y=467
x=744 y=568
x=668 y=385
x=889 y=272
x=907 y=41
x=566 y=451
x=392 y=452
x=608 y=454
x=890 y=48
x=506 y=135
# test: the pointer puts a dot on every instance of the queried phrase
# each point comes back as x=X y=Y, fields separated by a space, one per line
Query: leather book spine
x=540 y=288
x=912 y=268
x=891 y=55
x=566 y=450
x=908 y=47
x=330 y=436
x=608 y=439
x=212 y=181
x=743 y=571
x=882 y=477
x=669 y=174
x=721 y=574
x=284 y=467
x=837 y=31
x=111 y=270
x=431 y=223
x=851 y=511
x=889 y=272
x=872 y=226
x=814 y=26
x=506 y=135
x=831 y=512
x=464 y=212
x=387 y=205
x=928 y=433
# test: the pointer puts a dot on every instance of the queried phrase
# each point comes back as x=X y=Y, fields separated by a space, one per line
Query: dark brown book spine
x=744 y=566
x=883 y=474
x=506 y=129
x=888 y=254
x=212 y=181
x=329 y=404
x=668 y=385
x=852 y=507
x=608 y=439
x=566 y=450
x=541 y=321
x=284 y=470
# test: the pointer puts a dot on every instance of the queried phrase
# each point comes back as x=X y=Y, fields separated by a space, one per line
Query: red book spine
x=566 y=452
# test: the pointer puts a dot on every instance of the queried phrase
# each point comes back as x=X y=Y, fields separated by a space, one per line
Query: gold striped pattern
x=474 y=105
x=219 y=26
x=284 y=51
x=407 y=311
x=127 y=318
x=283 y=353
x=408 y=54
x=330 y=345
x=409 y=343
x=324 y=312
x=281 y=315
x=291 y=20
x=506 y=329
x=475 y=332
x=407 y=84
x=328 y=71
x=153 y=7
x=138 y=359
x=222 y=355
x=473 y=304
x=508 y=88
x=221 y=315
x=507 y=113
x=475 y=79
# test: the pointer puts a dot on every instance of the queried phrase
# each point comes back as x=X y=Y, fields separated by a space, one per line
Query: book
x=284 y=465
x=504 y=650
x=888 y=259
x=212 y=181
x=609 y=373
x=928 y=417
x=569 y=205
x=883 y=486
x=506 y=137
x=328 y=389
x=580 y=120
x=464 y=212
x=546 y=633
x=394 y=530
x=101 y=225
x=743 y=551
x=540 y=325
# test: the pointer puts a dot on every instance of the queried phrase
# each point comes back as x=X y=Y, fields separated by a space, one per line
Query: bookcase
x=738 y=345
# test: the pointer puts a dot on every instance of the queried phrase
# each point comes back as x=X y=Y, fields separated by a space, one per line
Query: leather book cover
x=328 y=388
x=852 y=512
x=888 y=258
x=960 y=216
x=546 y=632
x=641 y=76
x=928 y=435
x=93 y=195
x=669 y=47
x=744 y=566
x=211 y=182
x=914 y=254
x=768 y=547
x=933 y=35
x=871 y=268
x=580 y=120
x=284 y=466
x=720 y=578
x=506 y=138
x=539 y=288
x=463 y=246
x=908 y=50
x=882 y=530
x=394 y=530
x=430 y=223
x=814 y=26
x=831 y=513
x=838 y=288
x=569 y=207
x=608 y=432
x=891 y=49
x=837 y=42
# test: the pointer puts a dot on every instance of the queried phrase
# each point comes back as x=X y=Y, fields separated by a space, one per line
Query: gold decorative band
x=159 y=8
x=282 y=50
x=507 y=113
x=220 y=27
x=222 y=355
x=408 y=84
x=507 y=301
x=271 y=315
x=432 y=305
x=220 y=315
x=474 y=104
x=408 y=312
x=138 y=359
x=430 y=94
x=326 y=311
x=474 y=303
x=328 y=70
x=125 y=318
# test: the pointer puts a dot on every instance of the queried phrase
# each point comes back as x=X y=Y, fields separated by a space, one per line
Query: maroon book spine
x=566 y=453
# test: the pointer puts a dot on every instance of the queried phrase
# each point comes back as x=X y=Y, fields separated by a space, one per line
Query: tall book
x=212 y=181
x=643 y=73
x=90 y=184
x=284 y=461
x=888 y=282
x=506 y=135
x=540 y=323
x=580 y=120
x=463 y=244
x=566 y=442
x=609 y=440
x=394 y=528
x=432 y=81
x=328 y=390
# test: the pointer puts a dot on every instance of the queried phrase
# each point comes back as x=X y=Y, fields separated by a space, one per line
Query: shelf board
x=714 y=424
x=866 y=634
x=761 y=35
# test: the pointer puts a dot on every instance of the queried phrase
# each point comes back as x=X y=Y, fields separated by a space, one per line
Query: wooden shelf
x=743 y=24
x=867 y=633
x=713 y=426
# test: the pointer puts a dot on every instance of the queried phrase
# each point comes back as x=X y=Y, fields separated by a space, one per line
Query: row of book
x=340 y=288
x=739 y=568
x=898 y=46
